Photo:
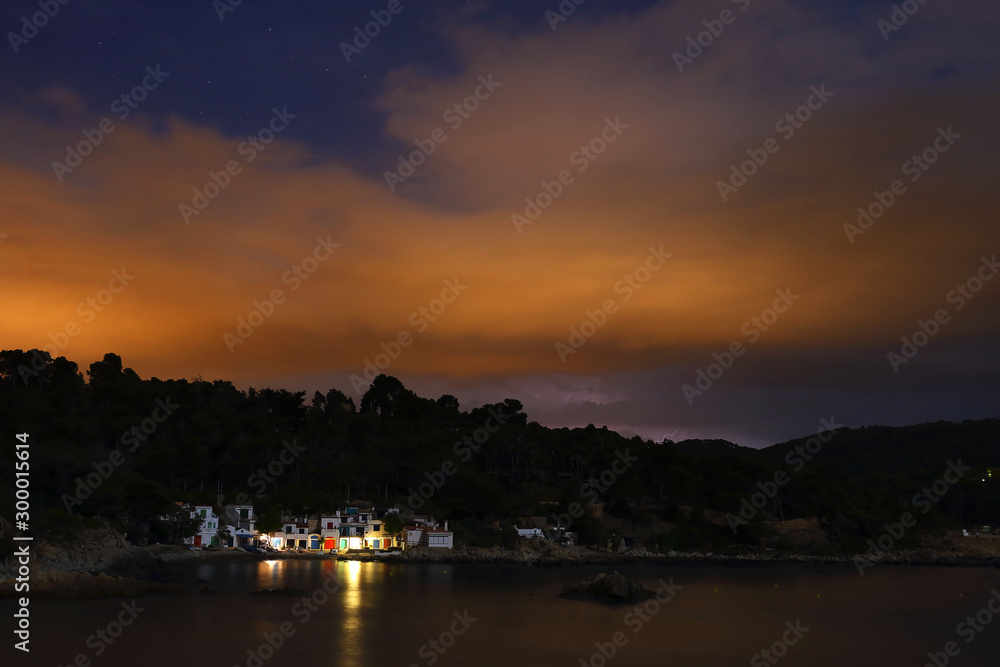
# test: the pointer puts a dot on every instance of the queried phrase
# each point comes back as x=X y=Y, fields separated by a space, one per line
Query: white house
x=275 y=539
x=411 y=536
x=297 y=533
x=532 y=526
x=438 y=538
x=428 y=536
x=352 y=536
x=207 y=534
x=354 y=528
x=242 y=522
x=329 y=530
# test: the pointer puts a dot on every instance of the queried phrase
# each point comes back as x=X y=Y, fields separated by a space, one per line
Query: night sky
x=588 y=211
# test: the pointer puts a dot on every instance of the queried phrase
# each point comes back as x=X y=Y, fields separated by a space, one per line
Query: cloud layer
x=653 y=190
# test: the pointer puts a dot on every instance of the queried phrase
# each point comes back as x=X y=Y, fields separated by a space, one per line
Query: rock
x=90 y=551
x=53 y=583
x=805 y=535
x=603 y=587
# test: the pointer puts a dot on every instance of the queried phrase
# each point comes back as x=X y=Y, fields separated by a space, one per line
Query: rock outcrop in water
x=604 y=587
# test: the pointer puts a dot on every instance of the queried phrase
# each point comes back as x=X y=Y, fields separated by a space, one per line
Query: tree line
x=112 y=449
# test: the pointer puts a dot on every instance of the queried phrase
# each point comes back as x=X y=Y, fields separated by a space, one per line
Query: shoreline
x=552 y=556
x=142 y=571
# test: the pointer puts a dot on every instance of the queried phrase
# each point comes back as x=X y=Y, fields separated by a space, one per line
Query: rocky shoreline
x=552 y=555
x=103 y=563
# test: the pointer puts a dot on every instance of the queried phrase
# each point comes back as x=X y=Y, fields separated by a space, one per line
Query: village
x=360 y=527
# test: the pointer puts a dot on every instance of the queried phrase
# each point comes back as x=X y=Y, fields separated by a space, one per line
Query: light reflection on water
x=352 y=596
x=270 y=574
x=384 y=614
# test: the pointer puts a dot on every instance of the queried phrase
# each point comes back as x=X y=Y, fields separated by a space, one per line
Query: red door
x=330 y=543
x=197 y=540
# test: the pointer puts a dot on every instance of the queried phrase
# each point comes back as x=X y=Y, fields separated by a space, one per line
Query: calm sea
x=371 y=614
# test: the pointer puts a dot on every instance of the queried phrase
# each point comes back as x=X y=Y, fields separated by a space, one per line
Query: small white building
x=297 y=533
x=294 y=533
x=411 y=536
x=532 y=526
x=438 y=538
x=329 y=531
x=207 y=534
x=354 y=528
x=432 y=536
x=242 y=524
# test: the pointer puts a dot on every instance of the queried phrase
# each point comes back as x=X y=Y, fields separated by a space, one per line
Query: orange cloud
x=654 y=186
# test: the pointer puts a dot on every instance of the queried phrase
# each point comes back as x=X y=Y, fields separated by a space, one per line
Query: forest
x=109 y=448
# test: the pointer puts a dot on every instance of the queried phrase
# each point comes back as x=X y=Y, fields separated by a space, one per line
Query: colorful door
x=329 y=543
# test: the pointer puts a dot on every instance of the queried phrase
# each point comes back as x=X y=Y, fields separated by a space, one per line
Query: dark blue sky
x=227 y=73
x=664 y=145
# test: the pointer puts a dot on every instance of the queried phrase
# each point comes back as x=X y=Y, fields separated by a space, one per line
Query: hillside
x=117 y=450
